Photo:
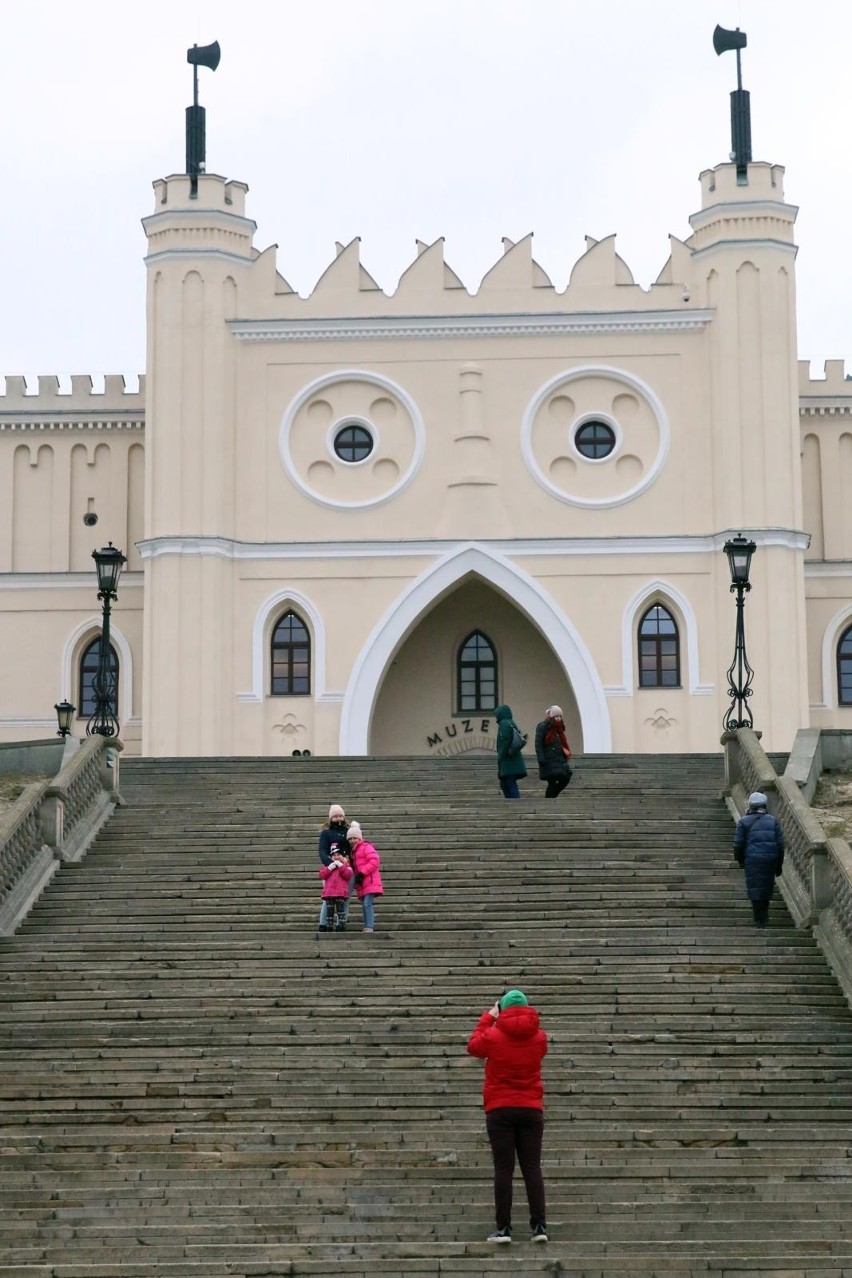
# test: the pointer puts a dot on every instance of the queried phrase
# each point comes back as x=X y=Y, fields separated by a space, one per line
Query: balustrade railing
x=817 y=878
x=55 y=821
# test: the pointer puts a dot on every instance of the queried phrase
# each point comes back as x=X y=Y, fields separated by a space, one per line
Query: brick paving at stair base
x=170 y=1068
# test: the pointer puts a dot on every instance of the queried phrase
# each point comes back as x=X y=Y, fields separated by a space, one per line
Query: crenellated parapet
x=828 y=395
x=52 y=408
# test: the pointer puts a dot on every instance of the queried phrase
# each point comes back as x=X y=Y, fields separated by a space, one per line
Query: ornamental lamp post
x=64 y=714
x=739 y=551
x=109 y=562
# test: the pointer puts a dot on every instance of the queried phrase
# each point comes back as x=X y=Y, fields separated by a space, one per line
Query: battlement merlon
x=211 y=222
x=753 y=211
x=214 y=192
x=828 y=394
x=114 y=398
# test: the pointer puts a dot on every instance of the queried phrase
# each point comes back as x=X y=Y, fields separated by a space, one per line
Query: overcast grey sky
x=396 y=120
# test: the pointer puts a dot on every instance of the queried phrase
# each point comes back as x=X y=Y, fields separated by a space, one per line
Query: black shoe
x=539 y=1234
x=323 y=927
x=500 y=1236
x=340 y=927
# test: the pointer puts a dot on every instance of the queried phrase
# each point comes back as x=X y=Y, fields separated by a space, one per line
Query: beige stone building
x=356 y=522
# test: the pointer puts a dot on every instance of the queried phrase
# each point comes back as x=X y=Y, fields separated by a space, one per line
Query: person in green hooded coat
x=510 y=767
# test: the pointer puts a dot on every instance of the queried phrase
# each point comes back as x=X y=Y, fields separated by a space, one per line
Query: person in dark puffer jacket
x=510 y=1039
x=510 y=767
x=759 y=849
x=332 y=840
x=553 y=752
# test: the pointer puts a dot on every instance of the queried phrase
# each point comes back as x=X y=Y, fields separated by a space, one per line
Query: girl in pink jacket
x=368 y=881
x=335 y=893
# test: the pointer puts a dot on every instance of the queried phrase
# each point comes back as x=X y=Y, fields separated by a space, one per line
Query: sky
x=399 y=120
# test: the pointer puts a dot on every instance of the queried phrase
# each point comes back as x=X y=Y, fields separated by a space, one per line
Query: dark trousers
x=556 y=785
x=760 y=910
x=337 y=905
x=509 y=786
x=517 y=1130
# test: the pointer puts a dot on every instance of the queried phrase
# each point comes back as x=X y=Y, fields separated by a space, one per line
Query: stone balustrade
x=817 y=878
x=55 y=821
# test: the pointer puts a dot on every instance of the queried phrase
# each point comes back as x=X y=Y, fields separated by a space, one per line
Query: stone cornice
x=372 y=328
x=828 y=567
x=574 y=547
x=194 y=254
x=739 y=245
x=810 y=406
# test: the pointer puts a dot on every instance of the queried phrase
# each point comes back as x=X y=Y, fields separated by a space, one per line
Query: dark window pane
x=595 y=439
x=353 y=443
x=476 y=674
x=659 y=649
x=88 y=672
x=844 y=668
x=290 y=657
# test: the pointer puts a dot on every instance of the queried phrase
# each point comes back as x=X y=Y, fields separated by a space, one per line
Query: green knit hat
x=513 y=998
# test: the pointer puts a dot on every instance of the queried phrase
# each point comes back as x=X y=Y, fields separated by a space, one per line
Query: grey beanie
x=757 y=800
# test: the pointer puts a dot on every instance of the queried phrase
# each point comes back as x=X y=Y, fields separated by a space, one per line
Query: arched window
x=88 y=671
x=659 y=649
x=477 y=673
x=844 y=668
x=291 y=657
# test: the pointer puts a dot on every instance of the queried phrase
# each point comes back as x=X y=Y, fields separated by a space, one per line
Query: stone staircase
x=192 y=1082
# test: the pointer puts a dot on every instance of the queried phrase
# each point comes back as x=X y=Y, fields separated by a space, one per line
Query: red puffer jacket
x=513 y=1047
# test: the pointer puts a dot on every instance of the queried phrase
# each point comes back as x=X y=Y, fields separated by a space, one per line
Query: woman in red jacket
x=512 y=1043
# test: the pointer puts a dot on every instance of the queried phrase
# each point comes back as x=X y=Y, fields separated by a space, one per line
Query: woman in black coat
x=553 y=752
x=759 y=849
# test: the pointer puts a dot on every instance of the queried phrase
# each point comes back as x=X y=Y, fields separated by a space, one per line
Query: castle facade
x=357 y=522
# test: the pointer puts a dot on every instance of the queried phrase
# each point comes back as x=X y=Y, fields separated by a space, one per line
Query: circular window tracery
x=552 y=441
x=353 y=443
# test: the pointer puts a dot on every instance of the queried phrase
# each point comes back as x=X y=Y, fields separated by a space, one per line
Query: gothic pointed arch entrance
x=470 y=565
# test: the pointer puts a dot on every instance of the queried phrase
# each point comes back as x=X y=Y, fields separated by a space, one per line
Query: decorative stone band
x=25 y=421
x=444 y=326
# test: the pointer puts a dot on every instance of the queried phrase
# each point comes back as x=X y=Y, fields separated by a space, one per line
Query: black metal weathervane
x=207 y=55
x=740 y=107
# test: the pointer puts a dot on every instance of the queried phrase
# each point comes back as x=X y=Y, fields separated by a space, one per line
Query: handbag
x=516 y=743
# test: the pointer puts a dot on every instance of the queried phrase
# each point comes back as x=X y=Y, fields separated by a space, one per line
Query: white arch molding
x=830 y=640
x=88 y=630
x=665 y=593
x=303 y=605
x=522 y=589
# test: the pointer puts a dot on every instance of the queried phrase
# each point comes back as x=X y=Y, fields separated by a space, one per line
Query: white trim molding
x=274 y=603
x=561 y=547
x=667 y=593
x=612 y=374
x=371 y=379
x=831 y=634
x=63 y=580
x=92 y=626
x=539 y=324
x=473 y=559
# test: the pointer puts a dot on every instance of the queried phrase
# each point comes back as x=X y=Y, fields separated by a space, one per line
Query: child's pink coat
x=336 y=879
x=367 y=862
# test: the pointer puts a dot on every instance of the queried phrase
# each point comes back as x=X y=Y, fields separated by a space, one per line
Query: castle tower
x=744 y=255
x=199 y=246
